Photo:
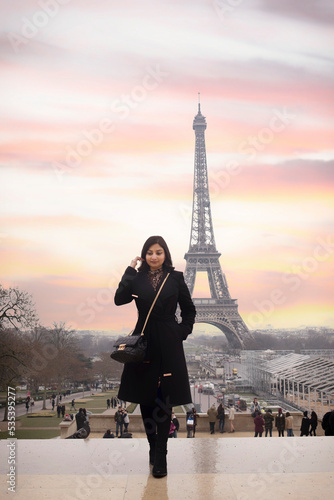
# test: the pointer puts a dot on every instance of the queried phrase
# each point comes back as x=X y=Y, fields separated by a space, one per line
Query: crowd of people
x=215 y=414
x=265 y=421
x=114 y=402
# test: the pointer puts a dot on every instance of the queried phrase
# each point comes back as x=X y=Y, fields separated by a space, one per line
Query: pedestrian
x=195 y=417
x=162 y=382
x=119 y=419
x=190 y=424
x=259 y=424
x=171 y=429
x=53 y=403
x=212 y=413
x=255 y=407
x=313 y=422
x=126 y=420
x=327 y=423
x=221 y=417
x=85 y=413
x=289 y=424
x=27 y=405
x=80 y=418
x=108 y=434
x=231 y=418
x=72 y=404
x=82 y=433
x=63 y=411
x=305 y=424
x=176 y=423
x=108 y=404
x=268 y=418
x=280 y=423
x=58 y=410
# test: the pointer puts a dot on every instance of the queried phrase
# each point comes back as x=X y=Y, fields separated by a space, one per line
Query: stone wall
x=67 y=428
x=243 y=422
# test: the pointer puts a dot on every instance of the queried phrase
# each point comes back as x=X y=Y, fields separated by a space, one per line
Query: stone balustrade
x=243 y=422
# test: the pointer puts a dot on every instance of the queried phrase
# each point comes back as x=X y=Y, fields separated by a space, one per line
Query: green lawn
x=33 y=434
x=27 y=421
x=95 y=404
x=44 y=427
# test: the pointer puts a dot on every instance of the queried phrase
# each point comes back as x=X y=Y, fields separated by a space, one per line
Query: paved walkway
x=38 y=405
x=233 y=469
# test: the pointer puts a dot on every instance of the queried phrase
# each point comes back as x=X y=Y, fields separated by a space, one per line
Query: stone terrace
x=238 y=468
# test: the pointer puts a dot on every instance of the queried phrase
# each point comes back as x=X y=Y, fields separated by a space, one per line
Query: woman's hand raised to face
x=135 y=261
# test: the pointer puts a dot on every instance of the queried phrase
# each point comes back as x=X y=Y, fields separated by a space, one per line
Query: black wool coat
x=166 y=360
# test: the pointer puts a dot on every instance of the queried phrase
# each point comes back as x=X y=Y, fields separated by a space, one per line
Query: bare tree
x=52 y=357
x=16 y=309
x=13 y=360
x=82 y=370
x=62 y=337
x=107 y=368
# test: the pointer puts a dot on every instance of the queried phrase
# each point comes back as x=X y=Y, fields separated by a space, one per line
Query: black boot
x=152 y=438
x=160 y=462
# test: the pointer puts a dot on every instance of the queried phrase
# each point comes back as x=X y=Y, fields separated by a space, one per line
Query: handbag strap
x=154 y=301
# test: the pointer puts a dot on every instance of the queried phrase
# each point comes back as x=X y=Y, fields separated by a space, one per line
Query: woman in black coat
x=161 y=381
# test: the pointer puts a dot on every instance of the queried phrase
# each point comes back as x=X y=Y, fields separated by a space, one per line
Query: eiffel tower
x=219 y=310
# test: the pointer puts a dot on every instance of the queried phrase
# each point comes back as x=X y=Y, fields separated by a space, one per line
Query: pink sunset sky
x=97 y=150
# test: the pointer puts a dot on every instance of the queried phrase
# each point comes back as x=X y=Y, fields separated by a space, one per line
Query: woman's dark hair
x=152 y=240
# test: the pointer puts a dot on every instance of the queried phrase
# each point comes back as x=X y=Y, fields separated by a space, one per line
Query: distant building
x=306 y=381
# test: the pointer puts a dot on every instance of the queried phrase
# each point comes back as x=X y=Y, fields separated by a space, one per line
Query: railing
x=206 y=302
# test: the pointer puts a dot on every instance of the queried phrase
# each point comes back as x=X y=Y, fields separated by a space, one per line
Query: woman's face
x=155 y=256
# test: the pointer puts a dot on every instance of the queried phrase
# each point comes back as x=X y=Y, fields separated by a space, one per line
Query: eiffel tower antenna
x=219 y=310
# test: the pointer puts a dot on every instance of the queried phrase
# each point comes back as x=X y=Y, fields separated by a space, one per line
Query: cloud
x=313 y=12
x=291 y=181
x=68 y=233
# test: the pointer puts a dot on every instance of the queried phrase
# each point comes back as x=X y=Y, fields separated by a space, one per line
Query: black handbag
x=133 y=348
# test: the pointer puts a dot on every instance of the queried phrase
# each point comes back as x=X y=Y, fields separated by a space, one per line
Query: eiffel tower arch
x=220 y=310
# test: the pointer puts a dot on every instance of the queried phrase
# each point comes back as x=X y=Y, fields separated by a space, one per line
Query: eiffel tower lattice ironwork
x=219 y=310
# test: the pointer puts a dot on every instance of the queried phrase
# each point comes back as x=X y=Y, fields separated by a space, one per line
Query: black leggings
x=157 y=421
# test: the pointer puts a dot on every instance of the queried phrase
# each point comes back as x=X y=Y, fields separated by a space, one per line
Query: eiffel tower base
x=223 y=314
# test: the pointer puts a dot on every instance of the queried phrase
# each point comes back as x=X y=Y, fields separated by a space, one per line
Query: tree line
x=260 y=340
x=38 y=356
